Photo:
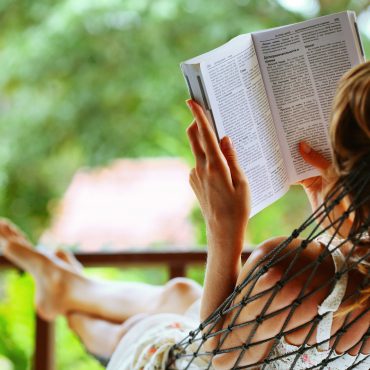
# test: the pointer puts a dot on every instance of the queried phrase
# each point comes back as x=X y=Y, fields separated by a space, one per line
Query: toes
x=7 y=227
x=9 y=230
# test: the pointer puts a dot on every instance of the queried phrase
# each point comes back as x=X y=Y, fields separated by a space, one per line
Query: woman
x=156 y=318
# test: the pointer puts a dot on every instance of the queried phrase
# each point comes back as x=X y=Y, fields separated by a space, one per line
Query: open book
x=268 y=90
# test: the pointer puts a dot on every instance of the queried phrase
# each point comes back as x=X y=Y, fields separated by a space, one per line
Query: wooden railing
x=176 y=262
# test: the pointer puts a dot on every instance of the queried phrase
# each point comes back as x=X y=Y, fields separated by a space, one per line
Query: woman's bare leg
x=89 y=329
x=60 y=289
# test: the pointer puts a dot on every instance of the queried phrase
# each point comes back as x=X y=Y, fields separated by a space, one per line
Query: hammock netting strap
x=319 y=223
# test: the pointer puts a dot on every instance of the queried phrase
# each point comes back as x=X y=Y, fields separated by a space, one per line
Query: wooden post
x=177 y=270
x=44 y=355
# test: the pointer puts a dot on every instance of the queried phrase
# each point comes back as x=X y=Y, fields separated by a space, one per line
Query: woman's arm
x=223 y=193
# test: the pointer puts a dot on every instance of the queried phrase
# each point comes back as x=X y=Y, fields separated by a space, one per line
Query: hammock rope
x=317 y=224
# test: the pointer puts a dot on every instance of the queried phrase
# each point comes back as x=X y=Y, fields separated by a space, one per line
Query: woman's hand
x=317 y=187
x=219 y=184
x=223 y=194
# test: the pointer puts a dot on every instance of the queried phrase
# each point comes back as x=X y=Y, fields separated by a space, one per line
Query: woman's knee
x=178 y=294
x=183 y=287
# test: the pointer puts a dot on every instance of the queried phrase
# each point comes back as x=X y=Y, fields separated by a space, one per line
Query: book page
x=238 y=102
x=301 y=65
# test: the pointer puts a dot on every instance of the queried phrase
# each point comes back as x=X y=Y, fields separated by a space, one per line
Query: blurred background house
x=93 y=150
x=130 y=204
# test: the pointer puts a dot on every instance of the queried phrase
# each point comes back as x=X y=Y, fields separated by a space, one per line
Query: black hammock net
x=192 y=353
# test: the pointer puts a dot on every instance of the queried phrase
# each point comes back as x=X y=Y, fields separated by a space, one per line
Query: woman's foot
x=53 y=276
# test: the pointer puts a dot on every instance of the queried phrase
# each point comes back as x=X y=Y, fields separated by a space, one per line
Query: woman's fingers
x=205 y=147
x=312 y=157
x=194 y=183
x=193 y=179
x=210 y=144
x=196 y=147
x=237 y=174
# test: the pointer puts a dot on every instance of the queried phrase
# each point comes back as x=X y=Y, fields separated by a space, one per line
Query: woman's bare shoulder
x=270 y=248
x=288 y=261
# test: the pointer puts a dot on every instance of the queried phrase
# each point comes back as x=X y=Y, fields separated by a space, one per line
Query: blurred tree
x=84 y=82
x=329 y=6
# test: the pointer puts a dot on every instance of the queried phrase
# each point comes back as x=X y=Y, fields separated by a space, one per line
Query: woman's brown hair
x=350 y=139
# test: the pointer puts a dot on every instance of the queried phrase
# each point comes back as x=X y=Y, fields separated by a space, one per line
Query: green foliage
x=86 y=81
x=196 y=273
x=16 y=319
x=280 y=218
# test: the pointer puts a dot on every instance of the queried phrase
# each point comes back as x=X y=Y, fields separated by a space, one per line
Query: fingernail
x=189 y=103
x=305 y=147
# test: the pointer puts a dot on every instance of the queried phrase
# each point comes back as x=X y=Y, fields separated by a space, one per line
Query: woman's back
x=333 y=333
x=291 y=307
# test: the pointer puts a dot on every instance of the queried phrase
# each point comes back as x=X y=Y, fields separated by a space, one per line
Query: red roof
x=131 y=203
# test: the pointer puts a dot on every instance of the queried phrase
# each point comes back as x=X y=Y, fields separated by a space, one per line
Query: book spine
x=207 y=106
x=359 y=40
